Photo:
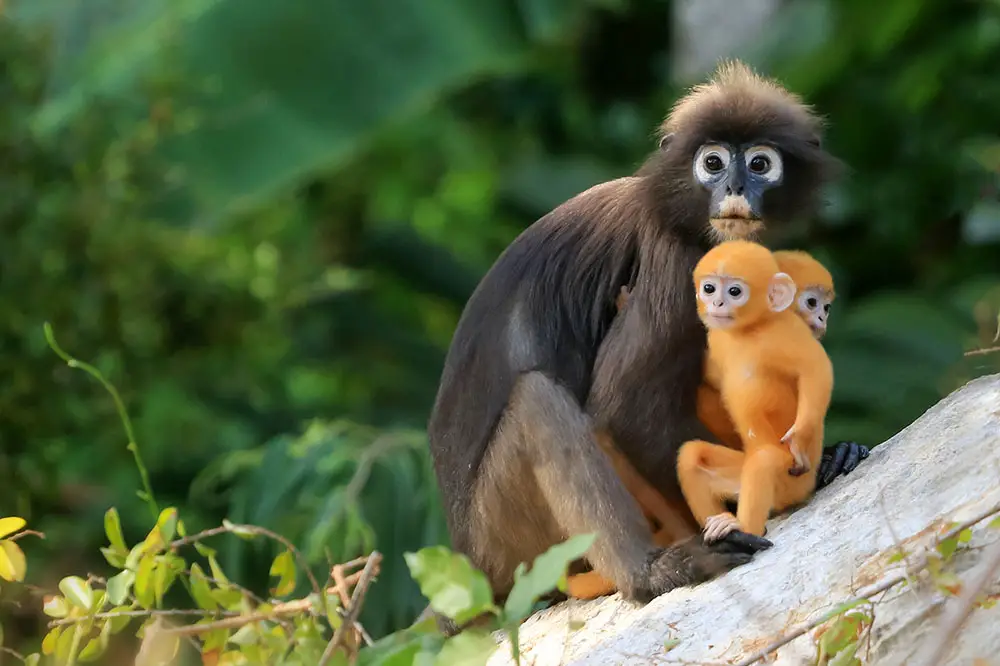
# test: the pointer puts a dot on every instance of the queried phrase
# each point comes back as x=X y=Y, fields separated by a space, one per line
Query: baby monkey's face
x=814 y=307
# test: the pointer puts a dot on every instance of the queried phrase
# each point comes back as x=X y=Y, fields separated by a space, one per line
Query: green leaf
x=145 y=590
x=13 y=565
x=115 y=558
x=119 y=622
x=56 y=607
x=246 y=635
x=96 y=647
x=965 y=536
x=10 y=525
x=77 y=592
x=113 y=530
x=994 y=524
x=947 y=547
x=119 y=586
x=898 y=556
x=469 y=648
x=846 y=656
x=547 y=571
x=50 y=640
x=217 y=573
x=32 y=659
x=284 y=567
x=203 y=550
x=670 y=643
x=239 y=530
x=167 y=524
x=842 y=632
x=201 y=591
x=449 y=581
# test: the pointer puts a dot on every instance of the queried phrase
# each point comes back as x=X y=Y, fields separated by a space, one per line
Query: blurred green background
x=262 y=219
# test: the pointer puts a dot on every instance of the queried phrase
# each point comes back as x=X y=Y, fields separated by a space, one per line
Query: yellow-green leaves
x=283 y=567
x=548 y=571
x=466 y=649
x=13 y=565
x=77 y=592
x=449 y=581
x=119 y=586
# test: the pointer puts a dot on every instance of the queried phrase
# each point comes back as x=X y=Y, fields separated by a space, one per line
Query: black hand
x=841 y=458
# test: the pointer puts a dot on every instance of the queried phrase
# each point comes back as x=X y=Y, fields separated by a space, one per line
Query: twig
x=865 y=593
x=939 y=641
x=24 y=533
x=288 y=608
x=357 y=600
x=144 y=613
x=132 y=446
x=977 y=352
x=253 y=529
x=13 y=653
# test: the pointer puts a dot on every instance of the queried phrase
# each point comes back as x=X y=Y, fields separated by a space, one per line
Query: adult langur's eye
x=812 y=303
x=760 y=164
x=735 y=291
x=826 y=308
x=708 y=288
x=713 y=163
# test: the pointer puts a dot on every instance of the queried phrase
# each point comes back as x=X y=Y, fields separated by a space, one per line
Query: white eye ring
x=701 y=170
x=772 y=172
x=707 y=295
x=744 y=294
x=804 y=300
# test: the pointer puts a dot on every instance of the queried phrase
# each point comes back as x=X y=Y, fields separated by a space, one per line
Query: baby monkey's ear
x=780 y=292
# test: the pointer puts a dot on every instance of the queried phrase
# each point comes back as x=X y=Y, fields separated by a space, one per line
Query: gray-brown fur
x=513 y=445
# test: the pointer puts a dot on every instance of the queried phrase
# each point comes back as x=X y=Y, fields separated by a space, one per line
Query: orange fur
x=775 y=379
x=809 y=276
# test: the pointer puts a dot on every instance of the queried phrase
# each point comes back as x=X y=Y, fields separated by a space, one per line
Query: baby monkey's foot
x=719 y=526
x=801 y=465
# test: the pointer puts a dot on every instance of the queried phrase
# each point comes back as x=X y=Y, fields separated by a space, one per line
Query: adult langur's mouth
x=736 y=228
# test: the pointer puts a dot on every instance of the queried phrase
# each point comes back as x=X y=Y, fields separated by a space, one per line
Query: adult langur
x=539 y=364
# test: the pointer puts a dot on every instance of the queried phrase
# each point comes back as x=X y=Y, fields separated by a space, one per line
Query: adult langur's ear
x=780 y=292
x=665 y=140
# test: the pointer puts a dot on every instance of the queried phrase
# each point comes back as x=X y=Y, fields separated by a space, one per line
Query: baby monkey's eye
x=735 y=291
x=812 y=303
x=709 y=288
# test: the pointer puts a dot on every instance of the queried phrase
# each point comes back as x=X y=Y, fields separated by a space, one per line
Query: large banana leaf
x=278 y=90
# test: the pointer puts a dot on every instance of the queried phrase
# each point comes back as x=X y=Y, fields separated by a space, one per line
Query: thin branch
x=253 y=529
x=357 y=600
x=985 y=350
x=24 y=533
x=13 y=653
x=132 y=446
x=939 y=641
x=295 y=607
x=145 y=613
x=865 y=593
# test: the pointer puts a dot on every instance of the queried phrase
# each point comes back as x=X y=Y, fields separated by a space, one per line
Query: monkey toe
x=841 y=458
x=855 y=454
x=745 y=542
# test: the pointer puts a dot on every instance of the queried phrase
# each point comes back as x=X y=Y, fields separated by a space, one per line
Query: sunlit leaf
x=113 y=530
x=13 y=565
x=119 y=586
x=56 y=606
x=96 y=646
x=469 y=648
x=670 y=643
x=947 y=547
x=283 y=567
x=10 y=525
x=245 y=635
x=115 y=558
x=50 y=640
x=77 y=592
x=144 y=586
x=965 y=536
x=201 y=591
x=167 y=524
x=32 y=659
x=994 y=524
x=547 y=571
x=449 y=581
